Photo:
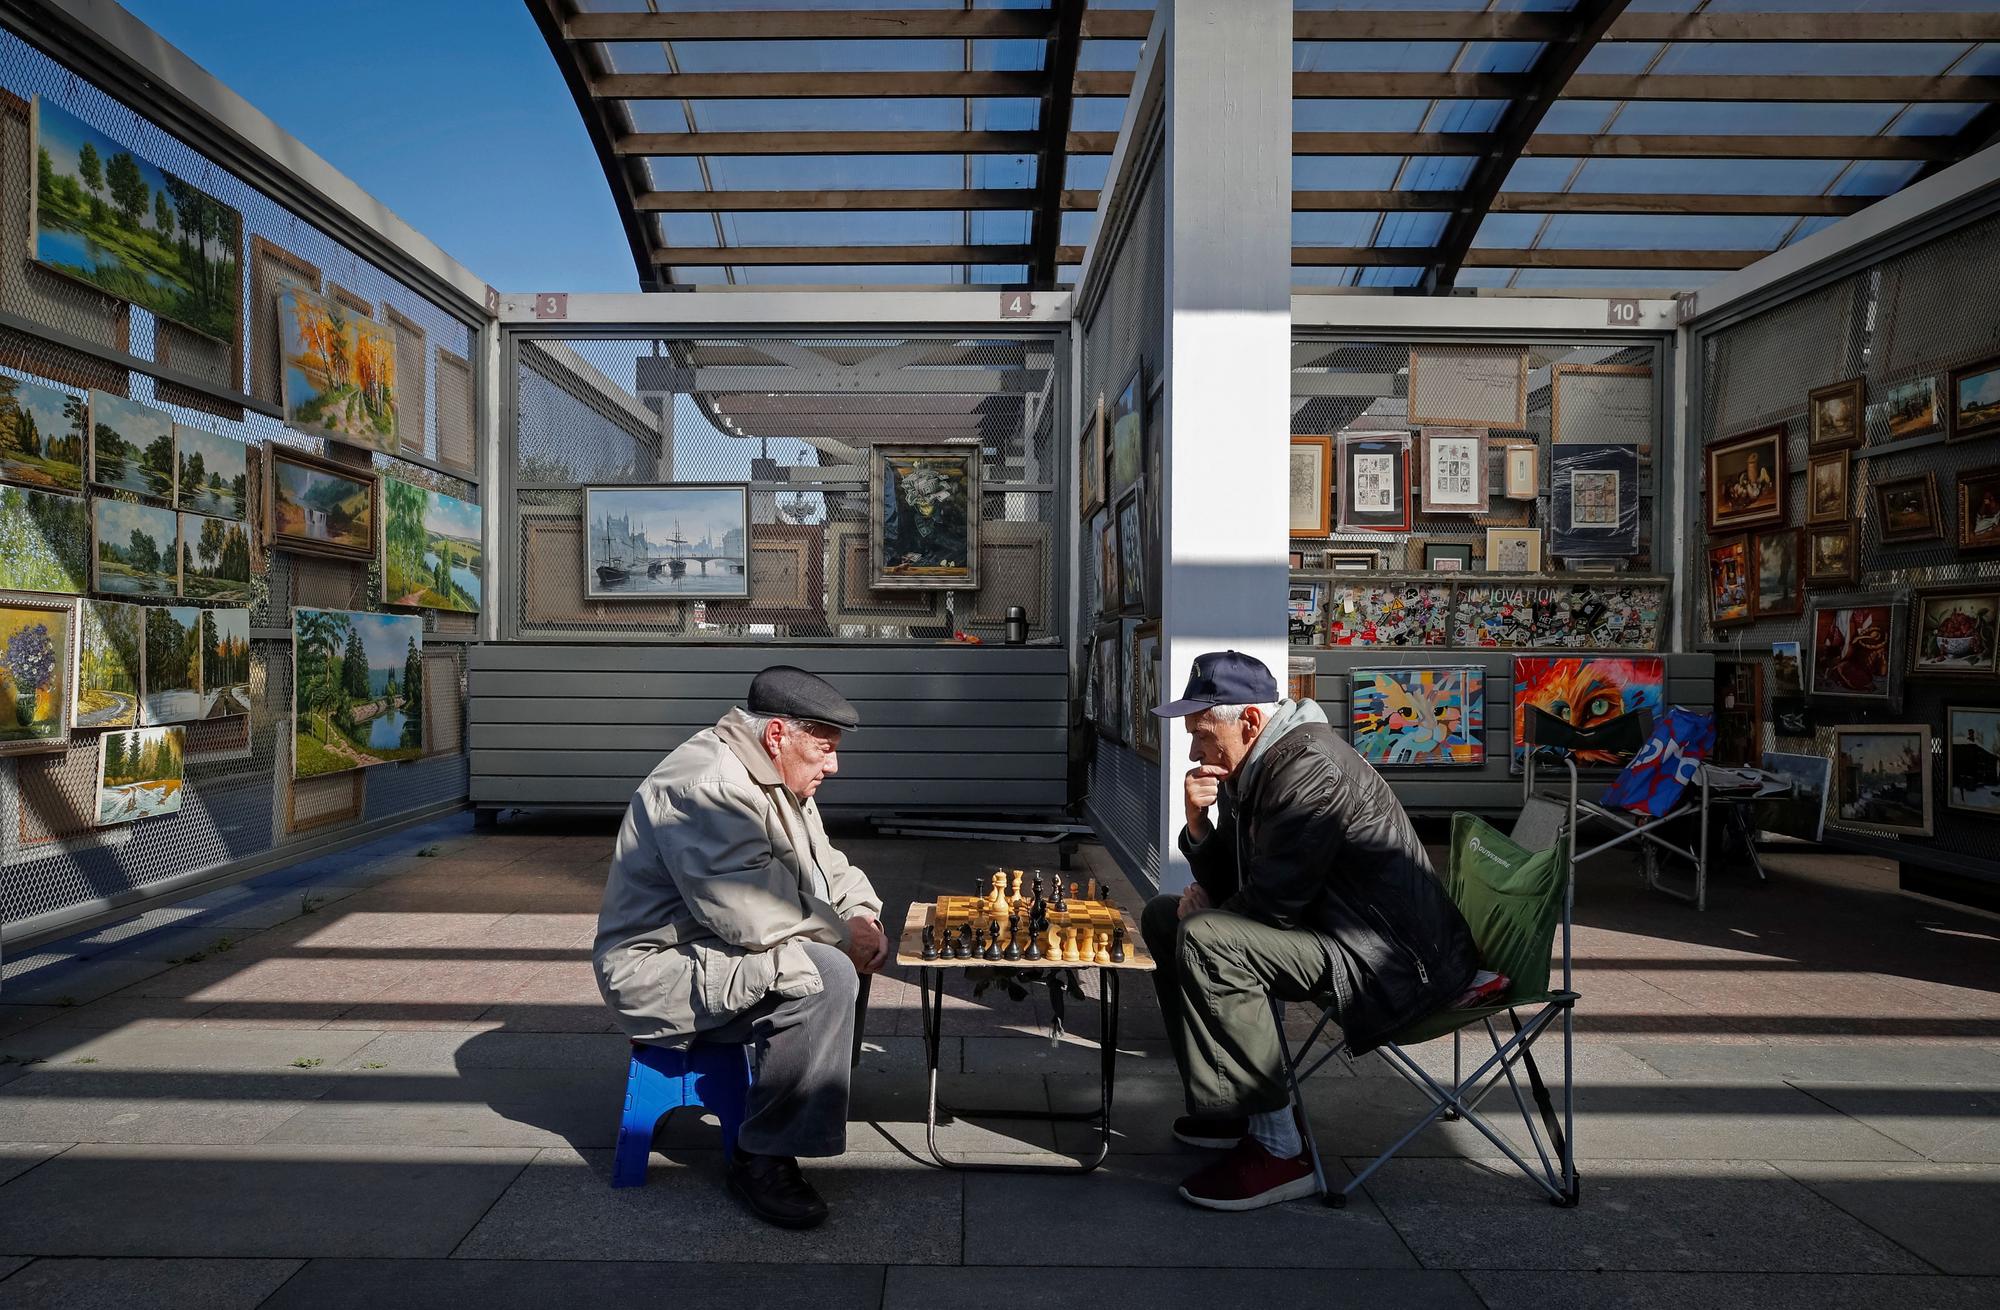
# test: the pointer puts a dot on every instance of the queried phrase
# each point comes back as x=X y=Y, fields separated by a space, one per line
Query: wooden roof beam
x=946 y=83
x=724 y=202
x=813 y=25
x=722 y=256
x=667 y=144
x=1065 y=43
x=1578 y=202
x=1629 y=146
x=1425 y=256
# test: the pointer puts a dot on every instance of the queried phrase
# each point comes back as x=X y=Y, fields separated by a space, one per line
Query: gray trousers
x=799 y=1060
x=1216 y=973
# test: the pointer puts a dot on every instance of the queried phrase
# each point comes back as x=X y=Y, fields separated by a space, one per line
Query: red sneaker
x=1250 y=1178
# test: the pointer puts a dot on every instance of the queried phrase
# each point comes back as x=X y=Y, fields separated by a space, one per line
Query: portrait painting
x=1882 y=778
x=139 y=774
x=337 y=371
x=131 y=446
x=317 y=507
x=1826 y=486
x=1979 y=509
x=44 y=435
x=1955 y=633
x=1833 y=416
x=1746 y=480
x=1375 y=482
x=1599 y=708
x=1972 y=758
x=1802 y=814
x=924 y=515
x=1909 y=408
x=1853 y=651
x=1729 y=582
x=1419 y=716
x=1830 y=554
x=1974 y=392
x=1908 y=508
x=1454 y=462
x=1780 y=563
x=34 y=676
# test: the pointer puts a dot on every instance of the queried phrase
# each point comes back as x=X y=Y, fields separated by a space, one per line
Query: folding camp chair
x=1514 y=892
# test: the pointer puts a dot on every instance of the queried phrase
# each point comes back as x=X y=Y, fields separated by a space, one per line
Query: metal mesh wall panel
x=1125 y=331
x=55 y=865
x=1904 y=318
x=794 y=417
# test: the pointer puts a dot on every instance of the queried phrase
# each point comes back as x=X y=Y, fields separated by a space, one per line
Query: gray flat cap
x=796 y=694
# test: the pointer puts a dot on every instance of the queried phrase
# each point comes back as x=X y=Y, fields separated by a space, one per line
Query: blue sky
x=451 y=112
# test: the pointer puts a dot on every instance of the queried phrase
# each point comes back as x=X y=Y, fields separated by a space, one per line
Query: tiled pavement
x=406 y=1095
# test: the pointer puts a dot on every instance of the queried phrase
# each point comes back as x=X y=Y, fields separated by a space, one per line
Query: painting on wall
x=1853 y=651
x=1374 y=482
x=1910 y=409
x=139 y=774
x=1311 y=487
x=172 y=692
x=1131 y=553
x=1833 y=416
x=1599 y=708
x=108 y=216
x=109 y=639
x=1746 y=480
x=1513 y=550
x=660 y=542
x=1803 y=813
x=44 y=435
x=1145 y=658
x=1974 y=393
x=1979 y=509
x=34 y=676
x=1454 y=470
x=138 y=549
x=1729 y=582
x=225 y=663
x=1594 y=495
x=1882 y=778
x=131 y=446
x=44 y=541
x=215 y=558
x=1955 y=633
x=1830 y=554
x=1419 y=716
x=1090 y=463
x=317 y=507
x=337 y=371
x=923 y=508
x=1128 y=434
x=1972 y=758
x=1780 y=559
x=1105 y=658
x=1907 y=508
x=432 y=548
x=1826 y=486
x=357 y=690
x=214 y=473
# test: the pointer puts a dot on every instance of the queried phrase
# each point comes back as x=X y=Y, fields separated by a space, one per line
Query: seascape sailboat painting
x=665 y=542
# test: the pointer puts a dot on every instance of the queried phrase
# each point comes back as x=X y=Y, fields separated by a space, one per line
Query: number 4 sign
x=1017 y=304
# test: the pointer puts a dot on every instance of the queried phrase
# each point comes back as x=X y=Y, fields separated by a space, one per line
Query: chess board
x=948 y=913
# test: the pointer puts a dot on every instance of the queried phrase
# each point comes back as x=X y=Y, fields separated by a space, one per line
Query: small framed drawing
x=1972 y=758
x=1731 y=585
x=1522 y=468
x=1830 y=554
x=1834 y=416
x=1358 y=560
x=1312 y=487
x=1779 y=555
x=1826 y=486
x=1513 y=550
x=1908 y=508
x=1974 y=393
x=1448 y=556
x=1375 y=482
x=1454 y=470
x=1746 y=480
x=1882 y=778
x=1979 y=509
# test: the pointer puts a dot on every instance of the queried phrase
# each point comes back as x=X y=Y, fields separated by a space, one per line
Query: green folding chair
x=1514 y=891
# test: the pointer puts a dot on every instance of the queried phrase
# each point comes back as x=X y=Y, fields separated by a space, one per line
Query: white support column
x=1227 y=407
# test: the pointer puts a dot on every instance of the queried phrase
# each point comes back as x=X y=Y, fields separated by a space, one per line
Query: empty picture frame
x=1521 y=470
x=850 y=600
x=1601 y=404
x=1469 y=386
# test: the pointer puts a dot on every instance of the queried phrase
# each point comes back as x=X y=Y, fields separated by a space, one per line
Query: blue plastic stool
x=661 y=1080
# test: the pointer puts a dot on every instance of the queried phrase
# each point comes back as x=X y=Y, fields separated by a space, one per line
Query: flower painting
x=43 y=435
x=34 y=669
x=338 y=371
x=924 y=513
x=44 y=541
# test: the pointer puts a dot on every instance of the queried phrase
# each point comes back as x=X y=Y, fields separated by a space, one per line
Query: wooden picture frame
x=1913 y=407
x=1845 y=651
x=1972 y=399
x=1829 y=478
x=1521 y=469
x=611 y=572
x=1955 y=632
x=851 y=601
x=1459 y=455
x=1834 y=416
x=1971 y=762
x=1832 y=553
x=1358 y=559
x=1778 y=591
x=786 y=575
x=1750 y=470
x=1312 y=486
x=1876 y=811
x=1907 y=508
x=1979 y=509
x=1090 y=463
x=1468 y=386
x=1030 y=544
x=1732 y=583
x=1739 y=713
x=1374 y=482
x=1144 y=661
x=1505 y=547
x=277 y=457
x=1600 y=423
x=48 y=644
x=962 y=461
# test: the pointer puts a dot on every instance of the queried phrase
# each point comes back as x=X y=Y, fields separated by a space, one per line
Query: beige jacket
x=720 y=874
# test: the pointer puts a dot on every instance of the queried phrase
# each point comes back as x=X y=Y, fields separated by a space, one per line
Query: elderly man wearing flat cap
x=1309 y=885
x=730 y=917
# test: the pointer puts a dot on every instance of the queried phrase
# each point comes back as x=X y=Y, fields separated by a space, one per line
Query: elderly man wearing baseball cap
x=729 y=916
x=1309 y=884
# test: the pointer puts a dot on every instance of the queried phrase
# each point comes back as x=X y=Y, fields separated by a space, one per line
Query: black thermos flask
x=1017 y=626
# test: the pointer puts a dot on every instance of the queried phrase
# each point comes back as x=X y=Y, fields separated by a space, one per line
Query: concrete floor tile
x=80 y=982
x=1134 y=1215
x=884 y=1209
x=1027 y=1287
x=1735 y=1216
x=536 y=1285
x=1664 y=1120
x=474 y=1107
x=187 y=1049
x=1945 y=1213
x=20 y=1018
x=1885 y=1063
x=253 y=1201
x=588 y=1056
x=119 y=1010
x=886 y=1113
x=1951 y=1124
x=1035 y=1053
x=145 y=1284
x=1542 y=1290
x=64 y=1102
x=17 y=1158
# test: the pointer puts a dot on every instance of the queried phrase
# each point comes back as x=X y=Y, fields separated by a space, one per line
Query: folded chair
x=1514 y=892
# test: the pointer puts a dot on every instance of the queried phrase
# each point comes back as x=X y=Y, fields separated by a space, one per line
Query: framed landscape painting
x=1746 y=480
x=433 y=548
x=690 y=540
x=337 y=371
x=44 y=541
x=1853 y=653
x=1419 y=716
x=44 y=435
x=110 y=639
x=1972 y=758
x=1833 y=415
x=1803 y=813
x=214 y=473
x=1826 y=486
x=1979 y=509
x=225 y=663
x=1955 y=633
x=357 y=690
x=1830 y=554
x=1780 y=560
x=104 y=214
x=1908 y=508
x=131 y=446
x=173 y=691
x=140 y=774
x=1882 y=778
x=924 y=509
x=317 y=507
x=215 y=558
x=34 y=676
x=1090 y=462
x=137 y=551
x=1974 y=395
x=1910 y=409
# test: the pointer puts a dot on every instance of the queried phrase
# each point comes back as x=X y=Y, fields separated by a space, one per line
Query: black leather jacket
x=1319 y=841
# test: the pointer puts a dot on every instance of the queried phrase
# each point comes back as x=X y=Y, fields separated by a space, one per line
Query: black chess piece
x=992 y=951
x=1118 y=946
x=963 y=950
x=930 y=942
x=1013 y=951
x=1034 y=951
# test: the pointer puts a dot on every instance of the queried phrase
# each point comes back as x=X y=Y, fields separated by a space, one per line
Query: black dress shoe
x=775 y=1190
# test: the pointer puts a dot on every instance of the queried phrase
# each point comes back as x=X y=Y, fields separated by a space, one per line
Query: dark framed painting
x=1787 y=669
x=1831 y=556
x=1979 y=509
x=1375 y=482
x=1833 y=416
x=1107 y=658
x=1447 y=556
x=1090 y=462
x=1882 y=778
x=1854 y=651
x=1131 y=552
x=1908 y=508
x=1972 y=758
x=1909 y=408
x=1110 y=591
x=316 y=507
x=1954 y=633
x=1739 y=712
x=1357 y=560
x=1731 y=584
x=1827 y=479
x=1779 y=555
x=1974 y=399
x=1128 y=435
x=1746 y=480
x=923 y=510
x=1142 y=657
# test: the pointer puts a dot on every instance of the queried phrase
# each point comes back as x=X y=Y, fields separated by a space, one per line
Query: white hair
x=759 y=722
x=1231 y=713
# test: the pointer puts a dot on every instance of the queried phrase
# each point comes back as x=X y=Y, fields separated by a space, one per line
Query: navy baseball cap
x=1223 y=677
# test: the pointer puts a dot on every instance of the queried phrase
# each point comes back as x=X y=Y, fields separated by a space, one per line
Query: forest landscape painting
x=214 y=473
x=172 y=692
x=44 y=541
x=137 y=549
x=357 y=692
x=338 y=371
x=131 y=446
x=139 y=774
x=225 y=663
x=215 y=558
x=110 y=636
x=43 y=434
x=431 y=548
